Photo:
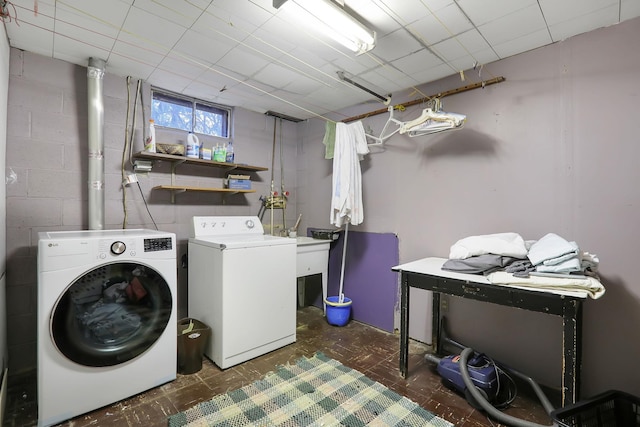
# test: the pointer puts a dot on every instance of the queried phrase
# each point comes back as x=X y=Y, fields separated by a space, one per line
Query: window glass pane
x=211 y=120
x=177 y=112
x=172 y=112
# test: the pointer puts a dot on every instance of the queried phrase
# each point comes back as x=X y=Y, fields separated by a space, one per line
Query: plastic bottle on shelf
x=220 y=153
x=150 y=143
x=193 y=146
x=230 y=156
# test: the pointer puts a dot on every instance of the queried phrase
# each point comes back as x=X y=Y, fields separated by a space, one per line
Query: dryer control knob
x=117 y=248
x=249 y=223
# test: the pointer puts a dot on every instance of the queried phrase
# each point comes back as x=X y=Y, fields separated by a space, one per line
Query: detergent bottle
x=193 y=146
x=150 y=143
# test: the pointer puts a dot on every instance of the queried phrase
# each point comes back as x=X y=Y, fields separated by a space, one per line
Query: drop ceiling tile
x=122 y=65
x=355 y=64
x=590 y=21
x=378 y=82
x=238 y=19
x=106 y=18
x=453 y=19
x=253 y=11
x=522 y=44
x=406 y=11
x=516 y=25
x=450 y=50
x=83 y=28
x=303 y=85
x=123 y=51
x=66 y=47
x=561 y=11
x=166 y=79
x=183 y=13
x=473 y=41
x=434 y=73
x=193 y=44
x=629 y=9
x=182 y=65
x=482 y=12
x=274 y=39
x=396 y=45
x=30 y=31
x=244 y=61
x=221 y=80
x=415 y=62
x=428 y=30
x=150 y=30
x=485 y=56
x=275 y=75
x=35 y=40
x=465 y=62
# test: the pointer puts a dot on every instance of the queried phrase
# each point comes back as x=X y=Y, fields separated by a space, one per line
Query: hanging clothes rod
x=422 y=100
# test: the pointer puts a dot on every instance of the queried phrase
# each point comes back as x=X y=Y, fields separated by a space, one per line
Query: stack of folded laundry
x=507 y=259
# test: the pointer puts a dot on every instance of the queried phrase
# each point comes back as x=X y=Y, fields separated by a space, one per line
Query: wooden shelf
x=191 y=161
x=180 y=160
x=182 y=188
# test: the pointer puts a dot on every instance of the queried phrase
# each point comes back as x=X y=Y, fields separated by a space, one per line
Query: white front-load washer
x=242 y=284
x=107 y=326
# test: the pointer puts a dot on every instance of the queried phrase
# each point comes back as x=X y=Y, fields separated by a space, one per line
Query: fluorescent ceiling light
x=334 y=21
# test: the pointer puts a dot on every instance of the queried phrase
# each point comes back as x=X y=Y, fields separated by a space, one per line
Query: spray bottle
x=150 y=143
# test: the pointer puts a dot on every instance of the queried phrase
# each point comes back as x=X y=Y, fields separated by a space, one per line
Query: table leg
x=436 y=324
x=404 y=325
x=571 y=351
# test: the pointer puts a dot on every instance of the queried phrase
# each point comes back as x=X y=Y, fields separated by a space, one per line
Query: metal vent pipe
x=95 y=75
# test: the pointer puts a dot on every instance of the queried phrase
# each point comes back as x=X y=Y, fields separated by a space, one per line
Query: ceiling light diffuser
x=332 y=20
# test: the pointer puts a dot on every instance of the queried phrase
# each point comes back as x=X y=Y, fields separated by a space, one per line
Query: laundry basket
x=609 y=409
x=192 y=339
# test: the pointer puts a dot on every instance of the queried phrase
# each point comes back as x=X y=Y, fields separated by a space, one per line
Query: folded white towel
x=506 y=244
x=549 y=247
x=590 y=285
x=570 y=265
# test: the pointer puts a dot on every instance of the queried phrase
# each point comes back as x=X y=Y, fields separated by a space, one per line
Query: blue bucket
x=338 y=313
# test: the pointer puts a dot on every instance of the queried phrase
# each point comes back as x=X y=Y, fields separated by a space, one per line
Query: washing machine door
x=111 y=314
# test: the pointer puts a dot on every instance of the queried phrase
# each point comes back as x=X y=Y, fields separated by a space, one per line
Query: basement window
x=189 y=114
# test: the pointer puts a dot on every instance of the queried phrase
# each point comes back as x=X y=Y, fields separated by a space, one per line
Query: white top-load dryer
x=242 y=284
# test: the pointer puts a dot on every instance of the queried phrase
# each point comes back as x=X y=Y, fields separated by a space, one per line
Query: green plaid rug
x=316 y=391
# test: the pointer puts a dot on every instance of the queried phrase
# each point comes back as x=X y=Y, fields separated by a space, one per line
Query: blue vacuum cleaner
x=485 y=384
x=491 y=380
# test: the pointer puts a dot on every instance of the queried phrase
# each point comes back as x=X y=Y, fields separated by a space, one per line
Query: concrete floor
x=359 y=346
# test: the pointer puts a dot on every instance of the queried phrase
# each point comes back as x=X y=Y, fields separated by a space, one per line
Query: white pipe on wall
x=95 y=74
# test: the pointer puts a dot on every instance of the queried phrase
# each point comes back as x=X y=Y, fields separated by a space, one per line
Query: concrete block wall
x=47 y=170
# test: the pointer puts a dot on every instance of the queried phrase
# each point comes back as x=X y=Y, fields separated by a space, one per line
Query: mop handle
x=344 y=256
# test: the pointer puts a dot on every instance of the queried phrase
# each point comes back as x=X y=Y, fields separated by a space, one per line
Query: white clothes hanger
x=432 y=120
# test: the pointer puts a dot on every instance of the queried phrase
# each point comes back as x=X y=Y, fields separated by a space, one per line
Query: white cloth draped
x=346 y=199
x=506 y=244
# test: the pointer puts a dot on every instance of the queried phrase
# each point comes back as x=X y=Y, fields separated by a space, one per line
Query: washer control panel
x=225 y=225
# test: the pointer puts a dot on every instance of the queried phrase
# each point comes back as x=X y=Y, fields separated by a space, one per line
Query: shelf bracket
x=174 y=165
x=173 y=194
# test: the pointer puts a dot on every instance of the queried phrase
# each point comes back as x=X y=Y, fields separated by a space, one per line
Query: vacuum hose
x=491 y=410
